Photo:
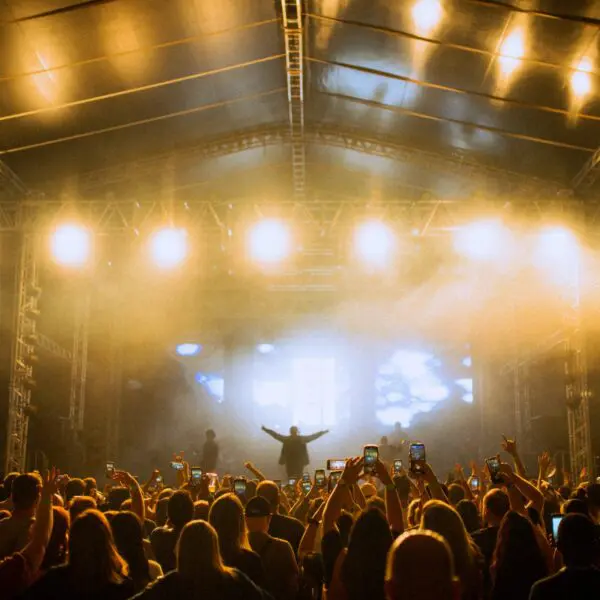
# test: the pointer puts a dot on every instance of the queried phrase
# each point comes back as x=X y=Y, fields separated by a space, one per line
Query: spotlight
x=188 y=349
x=483 y=240
x=374 y=243
x=427 y=15
x=557 y=253
x=511 y=52
x=269 y=242
x=70 y=245
x=581 y=81
x=169 y=247
x=265 y=348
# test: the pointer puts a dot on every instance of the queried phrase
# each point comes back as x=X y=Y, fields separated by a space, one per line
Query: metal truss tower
x=294 y=65
x=23 y=358
x=79 y=362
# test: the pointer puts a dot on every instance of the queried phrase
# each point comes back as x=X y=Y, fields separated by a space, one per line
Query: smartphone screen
x=213 y=480
x=292 y=482
x=196 y=473
x=416 y=454
x=474 y=483
x=556 y=519
x=306 y=487
x=493 y=465
x=336 y=464
x=334 y=477
x=178 y=466
x=370 y=454
x=397 y=466
x=239 y=487
x=110 y=469
x=320 y=478
x=306 y=477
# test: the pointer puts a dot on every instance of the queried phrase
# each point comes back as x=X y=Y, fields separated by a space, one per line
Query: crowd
x=377 y=533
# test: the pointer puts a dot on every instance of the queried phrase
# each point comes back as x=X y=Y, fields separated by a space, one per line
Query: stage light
x=374 y=243
x=581 y=81
x=483 y=240
x=188 y=349
x=269 y=241
x=427 y=15
x=557 y=254
x=169 y=247
x=71 y=245
x=511 y=52
x=265 y=348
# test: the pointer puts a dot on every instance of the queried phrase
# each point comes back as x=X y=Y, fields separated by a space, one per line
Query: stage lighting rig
x=169 y=247
x=374 y=243
x=269 y=242
x=71 y=245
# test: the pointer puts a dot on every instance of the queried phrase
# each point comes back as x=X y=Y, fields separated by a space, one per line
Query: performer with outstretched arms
x=294 y=454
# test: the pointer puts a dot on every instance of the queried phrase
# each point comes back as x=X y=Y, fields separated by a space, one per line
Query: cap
x=258 y=507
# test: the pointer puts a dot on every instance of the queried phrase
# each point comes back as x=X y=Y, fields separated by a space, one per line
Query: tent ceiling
x=94 y=85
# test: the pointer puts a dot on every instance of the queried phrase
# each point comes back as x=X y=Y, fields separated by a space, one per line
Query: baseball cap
x=258 y=507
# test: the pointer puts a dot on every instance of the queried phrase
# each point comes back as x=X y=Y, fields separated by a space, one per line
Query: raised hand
x=124 y=478
x=509 y=446
x=382 y=473
x=544 y=462
x=352 y=470
x=50 y=482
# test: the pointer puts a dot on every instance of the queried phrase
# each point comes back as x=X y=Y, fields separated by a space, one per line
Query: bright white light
x=71 y=245
x=269 y=242
x=410 y=364
x=188 y=349
x=484 y=240
x=467 y=361
x=265 y=348
x=557 y=253
x=465 y=384
x=429 y=389
x=169 y=247
x=511 y=52
x=427 y=15
x=468 y=398
x=374 y=243
x=581 y=81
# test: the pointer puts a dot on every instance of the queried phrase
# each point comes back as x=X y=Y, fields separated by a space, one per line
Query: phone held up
x=320 y=478
x=196 y=475
x=334 y=477
x=416 y=455
x=177 y=465
x=397 y=466
x=493 y=466
x=336 y=464
x=239 y=486
x=474 y=483
x=110 y=469
x=370 y=457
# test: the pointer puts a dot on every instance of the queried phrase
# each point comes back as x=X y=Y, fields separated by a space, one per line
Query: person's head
x=293 y=431
x=420 y=566
x=80 y=504
x=593 y=497
x=56 y=551
x=93 y=556
x=128 y=534
x=269 y=490
x=201 y=510
x=495 y=505
x=180 y=509
x=414 y=513
x=376 y=502
x=368 y=490
x=258 y=515
x=518 y=561
x=126 y=505
x=575 y=506
x=578 y=540
x=161 y=512
x=226 y=515
x=91 y=487
x=210 y=435
x=116 y=497
x=25 y=492
x=74 y=487
x=443 y=519
x=469 y=514
x=455 y=493
x=344 y=524
x=198 y=556
x=363 y=571
x=250 y=489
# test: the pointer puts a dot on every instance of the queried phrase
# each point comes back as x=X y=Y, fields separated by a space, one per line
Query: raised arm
x=510 y=446
x=137 y=498
x=393 y=508
x=255 y=471
x=437 y=492
x=274 y=434
x=535 y=496
x=341 y=494
x=315 y=436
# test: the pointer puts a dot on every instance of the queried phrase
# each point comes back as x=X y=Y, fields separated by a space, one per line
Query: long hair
x=363 y=571
x=56 y=551
x=93 y=556
x=226 y=515
x=199 y=560
x=445 y=520
x=128 y=533
x=518 y=561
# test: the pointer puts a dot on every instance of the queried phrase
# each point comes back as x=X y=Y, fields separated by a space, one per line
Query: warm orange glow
x=427 y=15
x=511 y=52
x=581 y=81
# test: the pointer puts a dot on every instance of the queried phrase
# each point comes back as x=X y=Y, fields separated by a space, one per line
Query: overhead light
x=269 y=241
x=581 y=80
x=188 y=349
x=427 y=15
x=374 y=243
x=169 y=247
x=70 y=245
x=265 y=348
x=482 y=240
x=512 y=51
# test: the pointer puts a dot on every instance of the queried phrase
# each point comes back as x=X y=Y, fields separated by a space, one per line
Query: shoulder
x=161 y=588
x=244 y=584
x=154 y=569
x=293 y=522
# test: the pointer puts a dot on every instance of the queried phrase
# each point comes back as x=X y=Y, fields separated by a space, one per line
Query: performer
x=294 y=454
x=210 y=452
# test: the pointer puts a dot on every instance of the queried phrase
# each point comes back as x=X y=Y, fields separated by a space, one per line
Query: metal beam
x=294 y=66
x=587 y=177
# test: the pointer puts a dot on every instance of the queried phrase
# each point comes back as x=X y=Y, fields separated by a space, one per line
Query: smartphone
x=158 y=480
x=474 y=483
x=320 y=478
x=110 y=469
x=493 y=465
x=334 y=477
x=370 y=455
x=306 y=487
x=196 y=475
x=305 y=477
x=292 y=482
x=556 y=519
x=213 y=479
x=336 y=464
x=177 y=465
x=397 y=466
x=416 y=455
x=239 y=486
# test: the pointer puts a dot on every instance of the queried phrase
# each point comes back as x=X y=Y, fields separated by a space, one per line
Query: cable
x=180 y=113
x=419 y=38
x=169 y=44
x=446 y=88
x=58 y=11
x=142 y=88
x=497 y=130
